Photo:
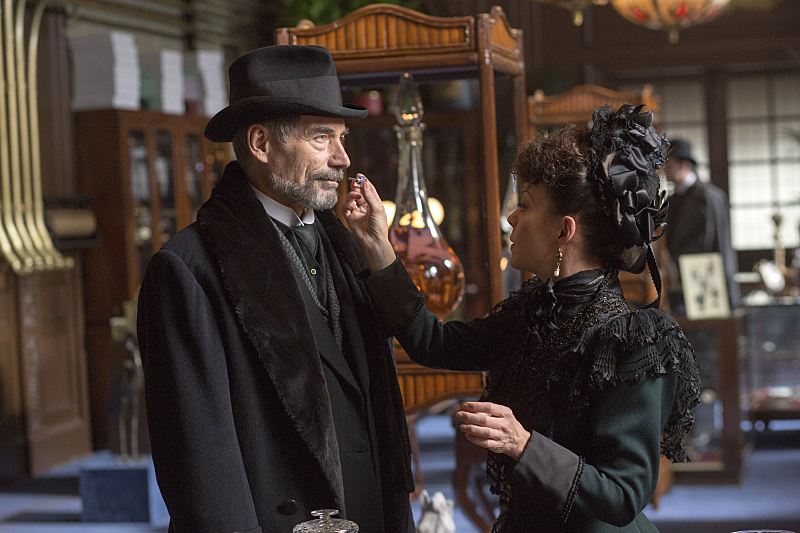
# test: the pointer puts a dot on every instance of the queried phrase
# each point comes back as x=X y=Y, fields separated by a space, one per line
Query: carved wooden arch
x=376 y=43
x=578 y=104
x=383 y=30
x=385 y=37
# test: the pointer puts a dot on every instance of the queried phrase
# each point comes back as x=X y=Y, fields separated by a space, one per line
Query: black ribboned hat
x=280 y=79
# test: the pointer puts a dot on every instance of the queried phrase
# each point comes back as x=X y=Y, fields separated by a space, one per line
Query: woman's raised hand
x=366 y=217
x=494 y=427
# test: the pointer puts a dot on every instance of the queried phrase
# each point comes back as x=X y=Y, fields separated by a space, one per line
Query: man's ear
x=258 y=141
x=567 y=230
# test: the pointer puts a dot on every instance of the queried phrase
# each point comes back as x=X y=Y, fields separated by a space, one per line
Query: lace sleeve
x=648 y=343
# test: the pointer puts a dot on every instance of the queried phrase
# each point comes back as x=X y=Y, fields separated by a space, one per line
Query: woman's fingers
x=493 y=426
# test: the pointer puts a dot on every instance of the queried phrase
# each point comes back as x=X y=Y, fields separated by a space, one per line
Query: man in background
x=698 y=221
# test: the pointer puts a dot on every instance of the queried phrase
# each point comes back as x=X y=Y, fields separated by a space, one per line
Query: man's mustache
x=334 y=175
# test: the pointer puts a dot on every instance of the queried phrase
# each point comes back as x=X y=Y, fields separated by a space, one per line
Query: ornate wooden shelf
x=372 y=47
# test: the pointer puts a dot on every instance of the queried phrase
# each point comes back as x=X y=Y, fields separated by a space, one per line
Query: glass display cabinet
x=716 y=442
x=147 y=173
x=467 y=148
x=771 y=364
x=372 y=47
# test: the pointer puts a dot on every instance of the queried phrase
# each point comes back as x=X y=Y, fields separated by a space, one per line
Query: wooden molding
x=578 y=104
x=384 y=30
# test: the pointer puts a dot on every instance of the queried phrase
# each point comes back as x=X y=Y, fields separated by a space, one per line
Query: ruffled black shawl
x=582 y=337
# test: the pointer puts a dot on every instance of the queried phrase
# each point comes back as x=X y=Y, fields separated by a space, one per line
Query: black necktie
x=307 y=236
x=307 y=240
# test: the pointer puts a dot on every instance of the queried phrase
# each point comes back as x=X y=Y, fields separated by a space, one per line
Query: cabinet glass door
x=452 y=166
x=140 y=191
x=165 y=178
x=704 y=442
x=194 y=173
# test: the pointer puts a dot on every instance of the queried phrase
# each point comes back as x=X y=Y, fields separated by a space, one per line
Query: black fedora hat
x=681 y=149
x=280 y=79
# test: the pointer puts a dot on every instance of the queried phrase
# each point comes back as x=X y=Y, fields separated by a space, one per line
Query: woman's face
x=536 y=230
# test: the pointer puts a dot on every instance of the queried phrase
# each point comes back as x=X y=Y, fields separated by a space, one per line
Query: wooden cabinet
x=147 y=173
x=44 y=413
x=372 y=47
x=715 y=443
x=771 y=363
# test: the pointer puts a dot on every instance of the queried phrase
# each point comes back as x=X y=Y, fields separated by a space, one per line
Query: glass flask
x=512 y=278
x=414 y=234
x=326 y=523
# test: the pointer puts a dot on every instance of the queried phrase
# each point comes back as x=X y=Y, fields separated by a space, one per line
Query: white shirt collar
x=283 y=214
x=691 y=177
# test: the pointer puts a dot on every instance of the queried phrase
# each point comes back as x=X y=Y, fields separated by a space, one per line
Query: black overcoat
x=238 y=411
x=698 y=222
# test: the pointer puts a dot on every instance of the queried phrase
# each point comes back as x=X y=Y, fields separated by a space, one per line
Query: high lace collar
x=551 y=302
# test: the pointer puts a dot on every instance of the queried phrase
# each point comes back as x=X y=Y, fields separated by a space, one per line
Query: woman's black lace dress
x=581 y=340
x=603 y=390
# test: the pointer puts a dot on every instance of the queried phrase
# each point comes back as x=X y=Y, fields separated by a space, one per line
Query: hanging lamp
x=669 y=15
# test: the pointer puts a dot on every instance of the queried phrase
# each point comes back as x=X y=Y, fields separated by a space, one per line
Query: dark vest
x=347 y=381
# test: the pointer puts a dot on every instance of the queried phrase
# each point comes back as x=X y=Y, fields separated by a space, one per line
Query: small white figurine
x=437 y=514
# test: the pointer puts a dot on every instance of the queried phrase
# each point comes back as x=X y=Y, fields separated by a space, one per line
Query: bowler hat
x=680 y=149
x=278 y=80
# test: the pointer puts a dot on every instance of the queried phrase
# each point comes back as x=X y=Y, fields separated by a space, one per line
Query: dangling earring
x=558 y=263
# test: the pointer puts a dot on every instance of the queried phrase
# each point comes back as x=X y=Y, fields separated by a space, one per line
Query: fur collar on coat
x=260 y=283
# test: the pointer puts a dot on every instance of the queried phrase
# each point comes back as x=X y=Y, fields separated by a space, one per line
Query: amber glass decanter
x=415 y=236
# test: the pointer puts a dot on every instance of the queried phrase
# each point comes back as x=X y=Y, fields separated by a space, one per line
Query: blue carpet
x=768 y=497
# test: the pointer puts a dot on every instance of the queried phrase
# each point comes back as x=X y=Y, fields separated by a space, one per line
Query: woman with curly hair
x=583 y=394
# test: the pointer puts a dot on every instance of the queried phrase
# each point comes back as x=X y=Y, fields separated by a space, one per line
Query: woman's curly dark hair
x=561 y=162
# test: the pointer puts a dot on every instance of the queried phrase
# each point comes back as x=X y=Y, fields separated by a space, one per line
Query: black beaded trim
x=573 y=490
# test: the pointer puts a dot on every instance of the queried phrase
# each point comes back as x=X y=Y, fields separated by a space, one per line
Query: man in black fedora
x=271 y=390
x=698 y=221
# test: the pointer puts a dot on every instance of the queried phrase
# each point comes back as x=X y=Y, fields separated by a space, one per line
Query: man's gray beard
x=309 y=195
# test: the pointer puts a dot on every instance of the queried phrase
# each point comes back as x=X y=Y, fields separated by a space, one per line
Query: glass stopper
x=407 y=102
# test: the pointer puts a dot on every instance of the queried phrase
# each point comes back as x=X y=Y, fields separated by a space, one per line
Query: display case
x=715 y=444
x=147 y=173
x=372 y=47
x=466 y=144
x=771 y=364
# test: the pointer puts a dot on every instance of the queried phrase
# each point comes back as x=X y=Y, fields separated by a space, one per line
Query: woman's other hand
x=366 y=217
x=494 y=427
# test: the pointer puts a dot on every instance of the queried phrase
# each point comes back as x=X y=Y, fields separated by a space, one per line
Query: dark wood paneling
x=13 y=456
x=53 y=368
x=55 y=117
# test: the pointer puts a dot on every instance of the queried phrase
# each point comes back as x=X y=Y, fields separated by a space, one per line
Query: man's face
x=306 y=170
x=677 y=170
